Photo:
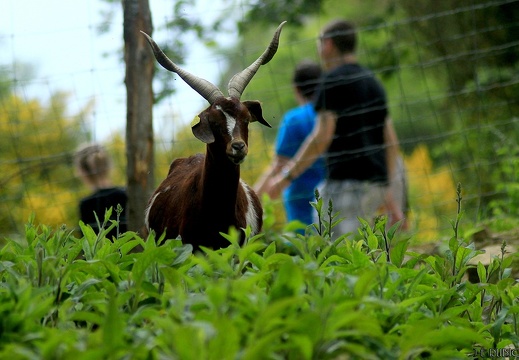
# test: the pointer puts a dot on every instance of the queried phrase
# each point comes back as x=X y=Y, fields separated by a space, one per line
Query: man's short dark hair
x=343 y=35
x=306 y=77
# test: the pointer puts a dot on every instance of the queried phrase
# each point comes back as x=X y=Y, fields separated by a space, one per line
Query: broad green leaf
x=507 y=261
x=393 y=229
x=183 y=253
x=332 y=259
x=482 y=272
x=372 y=241
x=288 y=282
x=87 y=249
x=257 y=260
x=80 y=290
x=150 y=289
x=270 y=250
x=365 y=282
x=173 y=276
x=453 y=245
x=130 y=245
x=113 y=327
x=275 y=313
x=142 y=262
x=188 y=340
x=450 y=337
x=415 y=301
x=225 y=345
x=245 y=252
x=304 y=346
x=293 y=226
x=86 y=316
x=263 y=347
x=233 y=236
x=453 y=312
x=276 y=259
x=397 y=253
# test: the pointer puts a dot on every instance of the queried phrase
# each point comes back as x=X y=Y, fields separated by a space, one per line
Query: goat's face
x=226 y=123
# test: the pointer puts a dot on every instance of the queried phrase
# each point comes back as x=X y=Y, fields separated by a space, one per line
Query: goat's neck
x=221 y=177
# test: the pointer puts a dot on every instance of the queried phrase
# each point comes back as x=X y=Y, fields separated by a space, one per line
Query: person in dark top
x=355 y=151
x=353 y=131
x=93 y=166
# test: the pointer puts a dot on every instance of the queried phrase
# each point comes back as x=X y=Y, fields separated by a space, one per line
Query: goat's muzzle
x=237 y=151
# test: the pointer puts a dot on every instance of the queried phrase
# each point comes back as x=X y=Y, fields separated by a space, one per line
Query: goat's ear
x=202 y=130
x=256 y=112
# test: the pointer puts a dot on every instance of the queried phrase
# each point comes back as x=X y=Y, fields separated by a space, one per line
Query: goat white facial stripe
x=231 y=122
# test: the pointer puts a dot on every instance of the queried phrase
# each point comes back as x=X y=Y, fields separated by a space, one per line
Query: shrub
x=279 y=296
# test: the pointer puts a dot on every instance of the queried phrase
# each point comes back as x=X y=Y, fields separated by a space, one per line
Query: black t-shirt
x=99 y=202
x=357 y=150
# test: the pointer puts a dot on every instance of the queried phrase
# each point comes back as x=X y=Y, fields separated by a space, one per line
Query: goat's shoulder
x=189 y=163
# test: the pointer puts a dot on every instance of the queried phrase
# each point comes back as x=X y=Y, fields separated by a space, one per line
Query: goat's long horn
x=209 y=91
x=242 y=79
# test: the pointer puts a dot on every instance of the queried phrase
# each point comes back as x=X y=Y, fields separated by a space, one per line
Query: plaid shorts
x=352 y=199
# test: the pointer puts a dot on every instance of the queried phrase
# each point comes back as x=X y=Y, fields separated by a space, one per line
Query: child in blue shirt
x=295 y=126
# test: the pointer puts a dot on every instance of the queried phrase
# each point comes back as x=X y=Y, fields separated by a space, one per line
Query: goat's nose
x=238 y=146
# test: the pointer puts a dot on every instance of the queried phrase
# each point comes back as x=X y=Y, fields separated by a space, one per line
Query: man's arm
x=394 y=209
x=274 y=169
x=315 y=145
x=312 y=148
x=392 y=148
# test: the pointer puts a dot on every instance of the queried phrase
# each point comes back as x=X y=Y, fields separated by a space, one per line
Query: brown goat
x=203 y=195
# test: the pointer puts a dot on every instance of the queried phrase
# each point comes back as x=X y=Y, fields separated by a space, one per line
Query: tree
x=139 y=104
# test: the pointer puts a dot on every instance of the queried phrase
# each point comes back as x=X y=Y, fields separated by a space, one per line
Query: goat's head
x=225 y=119
x=226 y=122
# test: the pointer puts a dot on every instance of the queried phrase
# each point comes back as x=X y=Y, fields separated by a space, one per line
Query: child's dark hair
x=306 y=77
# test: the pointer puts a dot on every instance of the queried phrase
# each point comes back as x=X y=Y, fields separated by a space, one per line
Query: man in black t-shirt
x=356 y=151
x=354 y=133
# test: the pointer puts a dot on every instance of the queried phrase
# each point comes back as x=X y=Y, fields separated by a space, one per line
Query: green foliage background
x=278 y=296
x=37 y=142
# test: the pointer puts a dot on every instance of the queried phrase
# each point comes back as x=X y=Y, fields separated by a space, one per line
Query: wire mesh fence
x=449 y=71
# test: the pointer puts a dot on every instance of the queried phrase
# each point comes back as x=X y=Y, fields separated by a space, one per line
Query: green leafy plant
x=280 y=295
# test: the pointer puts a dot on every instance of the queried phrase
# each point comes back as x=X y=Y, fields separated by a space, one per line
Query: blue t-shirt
x=295 y=126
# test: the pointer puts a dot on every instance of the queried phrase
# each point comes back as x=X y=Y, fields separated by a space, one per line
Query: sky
x=60 y=40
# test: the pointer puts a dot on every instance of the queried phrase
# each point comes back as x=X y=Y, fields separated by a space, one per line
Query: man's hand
x=276 y=185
